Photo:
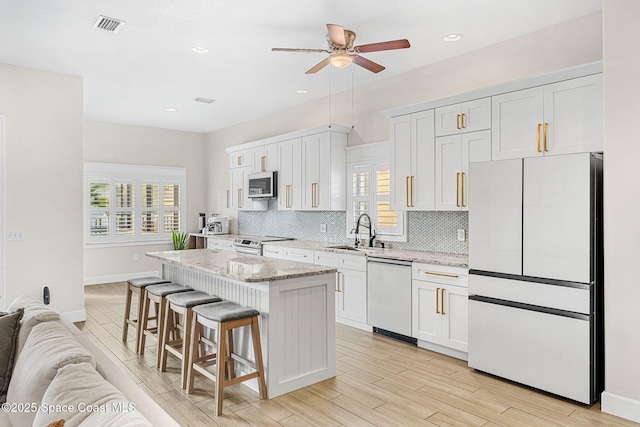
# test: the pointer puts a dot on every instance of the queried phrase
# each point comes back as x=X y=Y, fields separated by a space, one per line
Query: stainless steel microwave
x=263 y=185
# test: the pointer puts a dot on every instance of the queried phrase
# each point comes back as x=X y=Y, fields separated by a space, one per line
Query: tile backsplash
x=428 y=231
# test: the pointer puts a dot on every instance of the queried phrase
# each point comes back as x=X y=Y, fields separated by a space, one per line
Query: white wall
x=43 y=185
x=127 y=144
x=572 y=43
x=622 y=207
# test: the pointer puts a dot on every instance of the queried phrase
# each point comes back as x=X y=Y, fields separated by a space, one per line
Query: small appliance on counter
x=216 y=225
x=202 y=221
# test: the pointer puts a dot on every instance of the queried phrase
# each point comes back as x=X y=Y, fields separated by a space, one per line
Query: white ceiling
x=132 y=76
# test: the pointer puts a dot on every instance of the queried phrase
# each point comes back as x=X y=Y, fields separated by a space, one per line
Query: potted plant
x=180 y=240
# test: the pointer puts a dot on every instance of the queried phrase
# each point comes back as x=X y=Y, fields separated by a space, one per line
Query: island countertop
x=246 y=268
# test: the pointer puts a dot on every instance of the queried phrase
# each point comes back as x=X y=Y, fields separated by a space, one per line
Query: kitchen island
x=296 y=304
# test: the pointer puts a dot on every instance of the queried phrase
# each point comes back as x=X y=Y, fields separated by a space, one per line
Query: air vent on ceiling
x=108 y=24
x=205 y=100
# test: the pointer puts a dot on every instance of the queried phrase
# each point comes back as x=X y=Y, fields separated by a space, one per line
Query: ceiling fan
x=342 y=52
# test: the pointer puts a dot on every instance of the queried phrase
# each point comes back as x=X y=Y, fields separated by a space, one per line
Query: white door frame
x=2 y=196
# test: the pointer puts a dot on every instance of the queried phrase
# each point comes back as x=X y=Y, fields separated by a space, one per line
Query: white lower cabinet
x=272 y=251
x=296 y=254
x=220 y=244
x=440 y=308
x=351 y=287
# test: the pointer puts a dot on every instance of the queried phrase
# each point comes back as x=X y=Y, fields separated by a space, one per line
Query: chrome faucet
x=372 y=234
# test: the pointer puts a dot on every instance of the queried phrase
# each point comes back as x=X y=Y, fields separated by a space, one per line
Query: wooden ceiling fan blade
x=319 y=66
x=336 y=34
x=287 y=49
x=390 y=45
x=369 y=65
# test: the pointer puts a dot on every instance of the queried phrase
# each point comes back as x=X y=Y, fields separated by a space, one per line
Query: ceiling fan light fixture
x=341 y=60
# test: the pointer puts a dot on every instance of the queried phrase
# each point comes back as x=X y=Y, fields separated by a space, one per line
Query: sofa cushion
x=79 y=395
x=9 y=326
x=49 y=347
x=34 y=312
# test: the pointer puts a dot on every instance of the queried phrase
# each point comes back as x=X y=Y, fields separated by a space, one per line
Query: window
x=370 y=193
x=128 y=203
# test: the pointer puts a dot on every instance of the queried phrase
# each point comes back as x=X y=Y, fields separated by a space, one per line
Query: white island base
x=297 y=323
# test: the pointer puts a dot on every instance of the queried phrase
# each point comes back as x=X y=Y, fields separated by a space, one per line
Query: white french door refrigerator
x=536 y=279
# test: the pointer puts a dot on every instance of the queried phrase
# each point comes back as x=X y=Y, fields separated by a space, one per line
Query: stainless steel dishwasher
x=389 y=297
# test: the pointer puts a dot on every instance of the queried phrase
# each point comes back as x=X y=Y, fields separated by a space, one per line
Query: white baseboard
x=620 y=406
x=98 y=280
x=76 y=316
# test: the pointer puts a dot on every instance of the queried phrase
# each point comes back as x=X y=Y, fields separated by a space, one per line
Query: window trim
x=370 y=155
x=137 y=174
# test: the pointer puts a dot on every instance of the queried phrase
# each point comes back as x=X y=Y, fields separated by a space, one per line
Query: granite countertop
x=246 y=268
x=438 y=258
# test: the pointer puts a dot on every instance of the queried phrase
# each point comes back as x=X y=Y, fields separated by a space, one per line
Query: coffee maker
x=217 y=225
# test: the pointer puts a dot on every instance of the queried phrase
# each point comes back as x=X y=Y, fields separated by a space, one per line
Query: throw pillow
x=87 y=400
x=49 y=347
x=34 y=312
x=9 y=327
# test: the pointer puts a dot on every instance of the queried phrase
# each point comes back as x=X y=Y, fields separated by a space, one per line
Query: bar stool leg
x=257 y=349
x=167 y=329
x=231 y=366
x=220 y=368
x=142 y=325
x=162 y=323
x=186 y=345
x=127 y=311
x=142 y=296
x=196 y=333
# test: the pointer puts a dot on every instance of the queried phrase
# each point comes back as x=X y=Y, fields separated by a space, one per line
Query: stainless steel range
x=253 y=245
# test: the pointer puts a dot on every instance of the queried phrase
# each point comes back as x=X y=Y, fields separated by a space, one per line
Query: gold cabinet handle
x=412 y=190
x=338 y=282
x=437 y=303
x=442 y=301
x=546 y=125
x=462 y=189
x=458 y=189
x=263 y=163
x=433 y=273
x=457 y=121
x=406 y=190
x=539 y=126
x=240 y=160
x=288 y=198
x=314 y=195
x=463 y=125
x=227 y=199
x=240 y=204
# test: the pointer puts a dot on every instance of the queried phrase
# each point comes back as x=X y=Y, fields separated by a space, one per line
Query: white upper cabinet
x=323 y=175
x=238 y=194
x=560 y=118
x=265 y=158
x=452 y=158
x=241 y=158
x=465 y=117
x=412 y=161
x=290 y=174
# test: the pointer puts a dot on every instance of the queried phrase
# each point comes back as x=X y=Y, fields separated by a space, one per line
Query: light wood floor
x=379 y=382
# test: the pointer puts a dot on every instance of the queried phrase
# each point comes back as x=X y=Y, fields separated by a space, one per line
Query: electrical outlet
x=135 y=257
x=15 y=235
x=461 y=235
x=323 y=228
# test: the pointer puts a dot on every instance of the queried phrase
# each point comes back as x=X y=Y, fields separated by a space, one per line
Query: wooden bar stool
x=156 y=294
x=137 y=286
x=176 y=304
x=224 y=317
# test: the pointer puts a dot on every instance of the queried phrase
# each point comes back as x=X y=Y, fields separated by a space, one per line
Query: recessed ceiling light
x=452 y=38
x=302 y=91
x=200 y=49
x=171 y=110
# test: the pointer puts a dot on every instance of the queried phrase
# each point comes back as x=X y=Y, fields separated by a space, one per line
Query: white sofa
x=60 y=373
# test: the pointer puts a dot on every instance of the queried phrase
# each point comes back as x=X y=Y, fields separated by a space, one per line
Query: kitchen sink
x=345 y=247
